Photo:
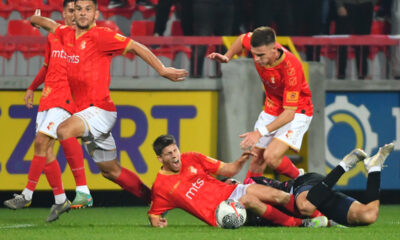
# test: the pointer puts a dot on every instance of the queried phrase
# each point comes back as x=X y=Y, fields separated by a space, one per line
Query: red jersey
x=284 y=83
x=89 y=62
x=56 y=91
x=193 y=189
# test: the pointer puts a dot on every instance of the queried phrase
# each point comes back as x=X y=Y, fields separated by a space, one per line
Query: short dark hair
x=161 y=142
x=262 y=36
x=94 y=1
x=65 y=3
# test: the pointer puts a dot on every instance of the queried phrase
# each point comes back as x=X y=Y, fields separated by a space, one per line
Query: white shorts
x=292 y=133
x=239 y=191
x=47 y=121
x=98 y=125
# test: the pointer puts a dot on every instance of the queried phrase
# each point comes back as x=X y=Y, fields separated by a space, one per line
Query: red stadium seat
x=5 y=9
x=25 y=29
x=125 y=11
x=142 y=28
x=110 y=24
x=28 y=7
x=56 y=5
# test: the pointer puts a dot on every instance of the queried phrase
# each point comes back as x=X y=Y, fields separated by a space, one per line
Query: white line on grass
x=17 y=226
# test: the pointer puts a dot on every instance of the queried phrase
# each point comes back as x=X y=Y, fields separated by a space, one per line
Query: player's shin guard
x=287 y=168
x=373 y=187
x=130 y=182
x=277 y=217
x=74 y=155
x=35 y=170
x=53 y=175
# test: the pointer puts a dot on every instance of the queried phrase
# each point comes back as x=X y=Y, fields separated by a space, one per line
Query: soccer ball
x=230 y=214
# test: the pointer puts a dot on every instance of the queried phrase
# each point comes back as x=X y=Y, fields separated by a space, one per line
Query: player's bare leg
x=274 y=157
x=67 y=133
x=254 y=200
x=257 y=164
x=127 y=179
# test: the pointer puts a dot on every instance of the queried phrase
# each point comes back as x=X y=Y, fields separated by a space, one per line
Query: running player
x=56 y=105
x=185 y=182
x=313 y=191
x=288 y=108
x=90 y=49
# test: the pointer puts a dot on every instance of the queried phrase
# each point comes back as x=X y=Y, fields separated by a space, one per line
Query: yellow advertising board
x=191 y=116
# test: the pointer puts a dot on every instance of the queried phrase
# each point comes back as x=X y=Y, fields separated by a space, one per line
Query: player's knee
x=305 y=208
x=248 y=201
x=369 y=217
x=271 y=159
x=62 y=132
x=41 y=143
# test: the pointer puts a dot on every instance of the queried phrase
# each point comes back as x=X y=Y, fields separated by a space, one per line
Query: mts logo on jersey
x=195 y=188
x=64 y=55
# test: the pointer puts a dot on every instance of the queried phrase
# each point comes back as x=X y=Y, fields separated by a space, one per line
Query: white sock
x=83 y=189
x=343 y=165
x=375 y=169
x=27 y=194
x=60 y=198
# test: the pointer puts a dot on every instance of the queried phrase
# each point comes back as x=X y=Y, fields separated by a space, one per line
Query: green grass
x=131 y=223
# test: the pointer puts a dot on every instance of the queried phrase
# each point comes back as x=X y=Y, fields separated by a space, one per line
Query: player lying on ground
x=56 y=105
x=185 y=182
x=89 y=52
x=314 y=191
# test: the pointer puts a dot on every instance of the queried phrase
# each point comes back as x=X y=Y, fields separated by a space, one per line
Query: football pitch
x=114 y=223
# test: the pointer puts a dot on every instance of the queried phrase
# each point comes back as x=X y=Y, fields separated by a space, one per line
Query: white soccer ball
x=230 y=214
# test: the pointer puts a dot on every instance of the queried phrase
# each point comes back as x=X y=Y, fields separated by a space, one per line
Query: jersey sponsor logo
x=62 y=54
x=292 y=97
x=194 y=189
x=119 y=37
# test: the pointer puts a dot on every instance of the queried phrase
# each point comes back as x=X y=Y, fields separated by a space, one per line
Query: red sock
x=253 y=174
x=35 y=170
x=53 y=175
x=130 y=182
x=277 y=217
x=291 y=205
x=316 y=213
x=287 y=168
x=74 y=155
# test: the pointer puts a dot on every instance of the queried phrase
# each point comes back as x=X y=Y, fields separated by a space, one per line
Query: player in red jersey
x=288 y=108
x=55 y=106
x=185 y=182
x=90 y=49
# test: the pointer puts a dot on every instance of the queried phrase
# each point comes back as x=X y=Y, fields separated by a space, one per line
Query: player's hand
x=247 y=154
x=218 y=57
x=28 y=98
x=249 y=139
x=162 y=222
x=37 y=13
x=173 y=74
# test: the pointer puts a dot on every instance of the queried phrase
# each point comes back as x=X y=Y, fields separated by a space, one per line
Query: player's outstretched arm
x=230 y=169
x=170 y=73
x=46 y=23
x=39 y=79
x=236 y=48
x=158 y=221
